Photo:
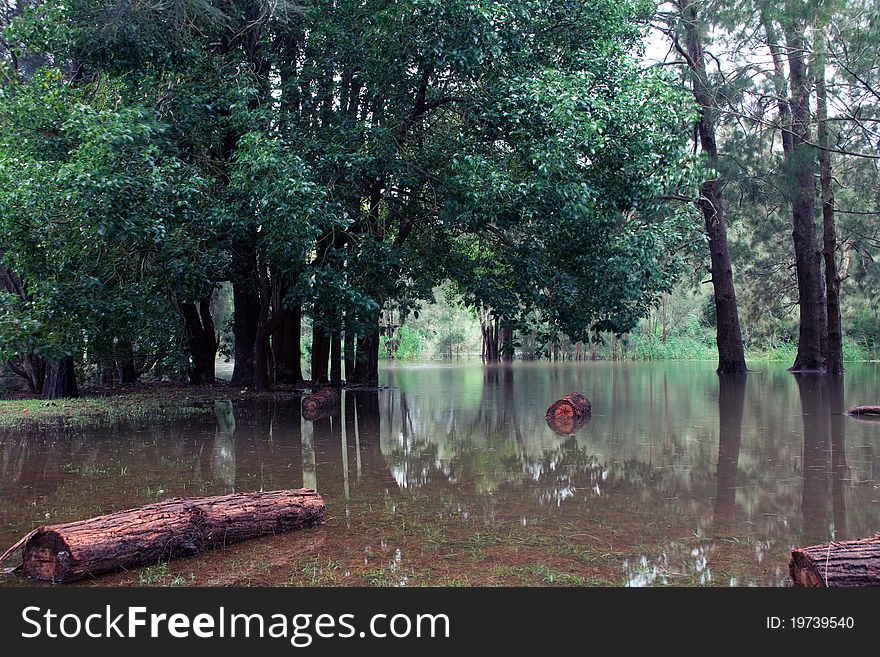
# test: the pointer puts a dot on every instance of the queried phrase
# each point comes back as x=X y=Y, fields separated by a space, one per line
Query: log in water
x=844 y=564
x=865 y=410
x=156 y=532
x=323 y=399
x=569 y=414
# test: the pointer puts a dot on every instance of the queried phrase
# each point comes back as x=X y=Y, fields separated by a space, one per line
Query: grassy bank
x=651 y=347
x=165 y=401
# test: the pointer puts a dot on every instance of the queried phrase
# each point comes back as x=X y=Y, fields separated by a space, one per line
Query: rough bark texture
x=286 y=348
x=202 y=341
x=845 y=564
x=569 y=413
x=731 y=358
x=60 y=380
x=366 y=369
x=801 y=172
x=834 y=340
x=165 y=530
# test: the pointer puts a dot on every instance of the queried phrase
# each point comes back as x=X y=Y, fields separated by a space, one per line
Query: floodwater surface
x=451 y=476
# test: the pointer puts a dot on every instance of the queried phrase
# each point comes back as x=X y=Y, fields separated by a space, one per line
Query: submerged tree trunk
x=287 y=349
x=366 y=369
x=801 y=172
x=834 y=341
x=731 y=359
x=336 y=358
x=349 y=354
x=60 y=380
x=246 y=311
x=320 y=352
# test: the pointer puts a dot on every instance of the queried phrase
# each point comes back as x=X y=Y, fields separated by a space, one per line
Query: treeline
x=332 y=160
x=788 y=98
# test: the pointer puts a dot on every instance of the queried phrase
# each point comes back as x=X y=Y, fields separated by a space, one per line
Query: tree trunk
x=32 y=368
x=834 y=340
x=801 y=171
x=202 y=341
x=246 y=311
x=507 y=349
x=336 y=359
x=728 y=337
x=844 y=564
x=320 y=352
x=60 y=380
x=349 y=354
x=366 y=369
x=287 y=349
x=164 y=530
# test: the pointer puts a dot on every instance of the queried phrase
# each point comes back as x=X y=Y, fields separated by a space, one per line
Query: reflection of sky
x=653 y=439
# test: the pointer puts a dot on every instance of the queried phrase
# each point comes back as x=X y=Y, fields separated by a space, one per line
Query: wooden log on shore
x=165 y=530
x=865 y=410
x=844 y=564
x=323 y=400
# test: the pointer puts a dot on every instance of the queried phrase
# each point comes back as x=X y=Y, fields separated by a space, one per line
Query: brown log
x=573 y=404
x=165 y=530
x=844 y=564
x=865 y=410
x=322 y=399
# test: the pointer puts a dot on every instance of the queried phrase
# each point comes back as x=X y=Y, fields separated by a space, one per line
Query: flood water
x=451 y=476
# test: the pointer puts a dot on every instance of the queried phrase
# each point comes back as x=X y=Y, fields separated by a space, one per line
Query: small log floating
x=322 y=400
x=865 y=410
x=845 y=564
x=568 y=414
x=173 y=528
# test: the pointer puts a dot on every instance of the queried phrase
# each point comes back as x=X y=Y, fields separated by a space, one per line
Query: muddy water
x=451 y=476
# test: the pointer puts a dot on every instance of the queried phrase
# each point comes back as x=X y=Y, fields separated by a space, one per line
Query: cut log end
x=573 y=404
x=322 y=400
x=46 y=556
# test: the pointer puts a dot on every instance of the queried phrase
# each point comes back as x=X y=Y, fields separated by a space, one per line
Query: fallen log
x=568 y=414
x=865 y=410
x=165 y=530
x=844 y=564
x=323 y=399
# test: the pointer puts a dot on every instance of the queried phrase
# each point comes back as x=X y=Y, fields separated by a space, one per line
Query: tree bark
x=728 y=336
x=834 y=340
x=165 y=530
x=844 y=564
x=801 y=172
x=366 y=369
x=287 y=349
x=202 y=341
x=349 y=354
x=320 y=351
x=60 y=380
x=246 y=311
x=336 y=359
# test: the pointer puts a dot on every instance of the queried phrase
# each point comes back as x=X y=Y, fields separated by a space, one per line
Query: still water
x=450 y=475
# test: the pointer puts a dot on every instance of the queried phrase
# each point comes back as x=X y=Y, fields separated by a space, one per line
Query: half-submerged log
x=318 y=403
x=165 y=530
x=865 y=410
x=844 y=564
x=568 y=414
